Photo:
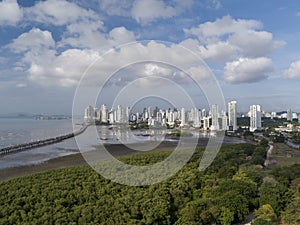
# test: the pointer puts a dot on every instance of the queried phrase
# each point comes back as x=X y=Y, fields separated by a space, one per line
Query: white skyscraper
x=255 y=117
x=289 y=115
x=214 y=117
x=97 y=115
x=205 y=123
x=104 y=114
x=232 y=116
x=89 y=113
x=183 y=115
x=224 y=122
x=196 y=118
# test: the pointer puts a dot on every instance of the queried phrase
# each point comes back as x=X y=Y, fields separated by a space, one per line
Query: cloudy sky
x=251 y=47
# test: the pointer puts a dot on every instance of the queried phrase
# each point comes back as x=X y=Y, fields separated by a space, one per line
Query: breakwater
x=40 y=143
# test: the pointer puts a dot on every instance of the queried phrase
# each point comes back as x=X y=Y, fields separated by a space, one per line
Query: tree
x=264 y=143
x=291 y=215
x=227 y=216
x=266 y=212
x=263 y=222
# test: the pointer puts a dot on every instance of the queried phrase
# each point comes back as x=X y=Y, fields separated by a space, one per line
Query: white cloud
x=116 y=7
x=211 y=31
x=63 y=70
x=254 y=43
x=46 y=66
x=228 y=38
x=83 y=35
x=293 y=72
x=33 y=40
x=120 y=35
x=90 y=35
x=221 y=51
x=146 y=11
x=10 y=12
x=58 y=12
x=215 y=4
x=246 y=70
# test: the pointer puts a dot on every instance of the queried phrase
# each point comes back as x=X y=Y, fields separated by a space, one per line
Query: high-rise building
x=255 y=117
x=97 y=115
x=205 y=123
x=89 y=113
x=289 y=115
x=196 y=118
x=214 y=117
x=223 y=121
x=232 y=116
x=104 y=113
x=111 y=117
x=183 y=117
x=273 y=115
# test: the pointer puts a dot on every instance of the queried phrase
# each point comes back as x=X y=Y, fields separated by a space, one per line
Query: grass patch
x=284 y=155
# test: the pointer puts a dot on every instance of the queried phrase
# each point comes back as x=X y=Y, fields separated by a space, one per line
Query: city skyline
x=252 y=51
x=213 y=119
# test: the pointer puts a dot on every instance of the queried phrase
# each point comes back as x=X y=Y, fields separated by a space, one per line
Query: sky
x=50 y=49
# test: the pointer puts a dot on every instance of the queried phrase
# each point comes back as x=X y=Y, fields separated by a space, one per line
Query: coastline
x=117 y=150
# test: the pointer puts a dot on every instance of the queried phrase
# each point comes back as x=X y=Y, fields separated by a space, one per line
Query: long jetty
x=41 y=143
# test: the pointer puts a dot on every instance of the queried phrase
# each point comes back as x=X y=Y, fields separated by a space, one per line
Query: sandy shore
x=72 y=160
x=116 y=150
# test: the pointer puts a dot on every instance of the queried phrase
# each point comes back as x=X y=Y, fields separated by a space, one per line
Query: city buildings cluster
x=214 y=119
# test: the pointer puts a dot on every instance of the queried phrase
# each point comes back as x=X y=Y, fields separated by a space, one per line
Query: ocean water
x=18 y=131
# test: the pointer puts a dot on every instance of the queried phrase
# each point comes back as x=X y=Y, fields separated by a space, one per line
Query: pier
x=41 y=143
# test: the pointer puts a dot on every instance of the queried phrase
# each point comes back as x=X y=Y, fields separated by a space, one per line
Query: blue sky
x=252 y=47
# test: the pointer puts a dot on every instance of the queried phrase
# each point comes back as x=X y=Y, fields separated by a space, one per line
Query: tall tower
x=289 y=115
x=255 y=117
x=89 y=113
x=232 y=116
x=104 y=113
x=183 y=119
x=214 y=117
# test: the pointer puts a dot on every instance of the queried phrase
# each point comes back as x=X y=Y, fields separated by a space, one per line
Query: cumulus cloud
x=146 y=11
x=90 y=35
x=208 y=31
x=293 y=72
x=228 y=38
x=216 y=4
x=64 y=70
x=10 y=12
x=254 y=43
x=116 y=7
x=32 y=40
x=246 y=70
x=46 y=65
x=221 y=51
x=58 y=12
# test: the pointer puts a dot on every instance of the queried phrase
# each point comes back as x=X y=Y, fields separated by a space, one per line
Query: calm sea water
x=18 y=131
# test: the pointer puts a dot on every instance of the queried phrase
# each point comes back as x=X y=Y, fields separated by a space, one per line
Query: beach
x=116 y=150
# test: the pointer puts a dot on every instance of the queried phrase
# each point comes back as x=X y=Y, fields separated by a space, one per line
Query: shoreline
x=71 y=160
x=117 y=150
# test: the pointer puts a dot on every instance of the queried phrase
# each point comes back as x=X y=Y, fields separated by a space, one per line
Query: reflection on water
x=105 y=135
x=19 y=131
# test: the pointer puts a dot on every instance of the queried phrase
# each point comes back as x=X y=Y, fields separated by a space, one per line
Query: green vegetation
x=179 y=134
x=284 y=155
x=231 y=188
